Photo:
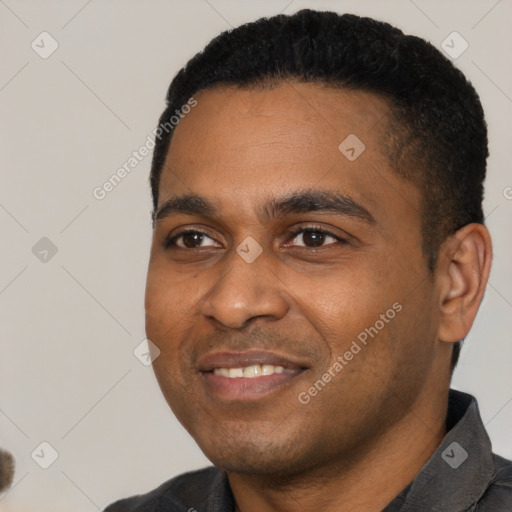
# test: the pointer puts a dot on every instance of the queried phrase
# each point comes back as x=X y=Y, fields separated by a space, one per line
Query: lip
x=243 y=388
x=246 y=358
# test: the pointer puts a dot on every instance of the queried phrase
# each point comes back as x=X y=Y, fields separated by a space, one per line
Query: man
x=318 y=255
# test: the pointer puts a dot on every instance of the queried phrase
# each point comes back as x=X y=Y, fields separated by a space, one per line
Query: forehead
x=239 y=144
x=311 y=118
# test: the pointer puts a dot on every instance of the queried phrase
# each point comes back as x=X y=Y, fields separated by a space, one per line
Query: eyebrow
x=298 y=202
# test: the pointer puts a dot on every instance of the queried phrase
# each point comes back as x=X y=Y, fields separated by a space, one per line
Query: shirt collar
x=459 y=471
x=220 y=496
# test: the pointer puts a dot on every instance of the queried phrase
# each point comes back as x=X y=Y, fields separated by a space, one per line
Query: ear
x=464 y=263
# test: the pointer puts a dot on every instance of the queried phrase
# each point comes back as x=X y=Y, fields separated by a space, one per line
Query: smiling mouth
x=247 y=376
x=250 y=372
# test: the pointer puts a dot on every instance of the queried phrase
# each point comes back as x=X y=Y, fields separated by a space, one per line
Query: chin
x=257 y=456
x=257 y=464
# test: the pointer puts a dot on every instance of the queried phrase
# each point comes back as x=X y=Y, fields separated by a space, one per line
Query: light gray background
x=69 y=326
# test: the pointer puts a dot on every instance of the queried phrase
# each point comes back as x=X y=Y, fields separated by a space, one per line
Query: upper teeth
x=256 y=370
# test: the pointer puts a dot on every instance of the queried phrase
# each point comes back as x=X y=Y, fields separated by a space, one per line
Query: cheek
x=165 y=325
x=167 y=296
x=343 y=302
x=363 y=312
x=159 y=306
x=171 y=305
x=165 y=316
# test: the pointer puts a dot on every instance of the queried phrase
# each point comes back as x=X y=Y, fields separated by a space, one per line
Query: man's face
x=283 y=255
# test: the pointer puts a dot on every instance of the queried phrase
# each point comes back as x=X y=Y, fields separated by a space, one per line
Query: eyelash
x=170 y=242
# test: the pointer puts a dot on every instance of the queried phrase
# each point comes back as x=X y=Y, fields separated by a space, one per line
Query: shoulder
x=177 y=494
x=498 y=495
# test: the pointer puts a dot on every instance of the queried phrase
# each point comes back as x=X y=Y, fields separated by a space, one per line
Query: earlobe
x=462 y=276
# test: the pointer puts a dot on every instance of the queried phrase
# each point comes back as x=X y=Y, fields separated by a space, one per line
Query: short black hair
x=438 y=135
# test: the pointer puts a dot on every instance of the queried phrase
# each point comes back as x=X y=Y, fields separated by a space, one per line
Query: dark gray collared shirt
x=463 y=475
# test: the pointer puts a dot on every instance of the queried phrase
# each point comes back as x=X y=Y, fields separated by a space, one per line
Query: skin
x=368 y=432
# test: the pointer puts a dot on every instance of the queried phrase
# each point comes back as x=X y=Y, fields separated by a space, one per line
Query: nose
x=244 y=291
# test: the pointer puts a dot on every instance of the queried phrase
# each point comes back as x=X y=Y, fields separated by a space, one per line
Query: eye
x=315 y=237
x=190 y=239
x=311 y=237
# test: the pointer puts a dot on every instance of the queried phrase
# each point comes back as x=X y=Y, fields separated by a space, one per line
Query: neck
x=363 y=483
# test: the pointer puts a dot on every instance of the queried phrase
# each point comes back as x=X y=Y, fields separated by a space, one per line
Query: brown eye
x=313 y=238
x=190 y=240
